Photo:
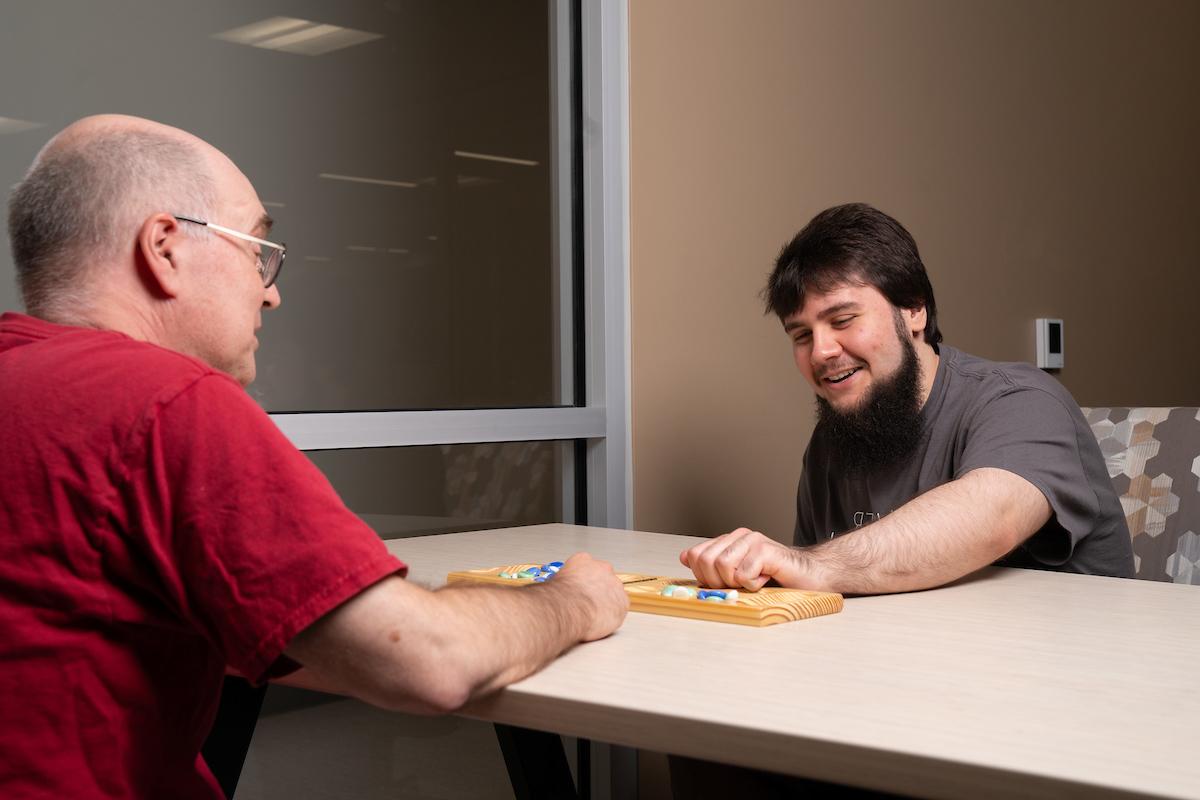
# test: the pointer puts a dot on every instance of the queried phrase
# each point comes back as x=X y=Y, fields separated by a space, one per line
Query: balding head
x=80 y=205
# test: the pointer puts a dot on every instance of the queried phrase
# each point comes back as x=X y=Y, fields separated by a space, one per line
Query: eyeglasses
x=268 y=269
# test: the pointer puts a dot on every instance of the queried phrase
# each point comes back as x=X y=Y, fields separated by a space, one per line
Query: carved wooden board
x=768 y=606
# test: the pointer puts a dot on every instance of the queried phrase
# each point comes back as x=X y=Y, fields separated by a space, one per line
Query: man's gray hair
x=83 y=203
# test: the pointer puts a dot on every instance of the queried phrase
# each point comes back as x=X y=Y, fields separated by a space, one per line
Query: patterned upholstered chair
x=1153 y=458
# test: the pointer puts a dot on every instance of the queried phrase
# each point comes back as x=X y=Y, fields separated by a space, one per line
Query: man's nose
x=825 y=345
x=272 y=298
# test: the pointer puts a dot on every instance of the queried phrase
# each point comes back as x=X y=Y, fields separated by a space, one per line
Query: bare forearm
x=458 y=643
x=400 y=646
x=935 y=538
x=500 y=634
x=906 y=551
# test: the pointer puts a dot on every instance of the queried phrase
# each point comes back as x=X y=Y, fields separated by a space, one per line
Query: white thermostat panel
x=1050 y=343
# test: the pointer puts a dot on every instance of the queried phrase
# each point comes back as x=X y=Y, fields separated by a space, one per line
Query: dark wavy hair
x=853 y=243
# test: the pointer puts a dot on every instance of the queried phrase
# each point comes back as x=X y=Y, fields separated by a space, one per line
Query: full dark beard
x=882 y=429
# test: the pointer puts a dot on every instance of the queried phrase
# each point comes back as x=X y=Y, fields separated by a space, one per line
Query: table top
x=1011 y=683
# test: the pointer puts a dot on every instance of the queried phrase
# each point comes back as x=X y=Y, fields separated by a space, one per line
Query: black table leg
x=583 y=768
x=537 y=765
x=229 y=740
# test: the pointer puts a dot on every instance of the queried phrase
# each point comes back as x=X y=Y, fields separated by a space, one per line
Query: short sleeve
x=250 y=541
x=806 y=532
x=1031 y=433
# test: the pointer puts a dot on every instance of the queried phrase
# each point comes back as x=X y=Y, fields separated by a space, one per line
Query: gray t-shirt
x=986 y=414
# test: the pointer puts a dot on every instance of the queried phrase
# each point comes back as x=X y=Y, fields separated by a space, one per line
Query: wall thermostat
x=1050 y=343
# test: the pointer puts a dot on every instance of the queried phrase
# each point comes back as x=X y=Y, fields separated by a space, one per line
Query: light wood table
x=1013 y=683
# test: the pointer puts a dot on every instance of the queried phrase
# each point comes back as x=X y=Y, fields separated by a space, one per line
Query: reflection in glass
x=413 y=491
x=405 y=150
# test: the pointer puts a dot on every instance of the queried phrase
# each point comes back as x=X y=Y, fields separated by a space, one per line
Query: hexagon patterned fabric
x=1153 y=458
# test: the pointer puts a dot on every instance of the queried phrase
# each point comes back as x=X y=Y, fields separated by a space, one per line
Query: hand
x=602 y=594
x=741 y=558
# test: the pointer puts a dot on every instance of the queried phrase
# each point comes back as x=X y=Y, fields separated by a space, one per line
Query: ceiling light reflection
x=524 y=162
x=298 y=36
x=262 y=30
x=366 y=248
x=329 y=176
x=10 y=125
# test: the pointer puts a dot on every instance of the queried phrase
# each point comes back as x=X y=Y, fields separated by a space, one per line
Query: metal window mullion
x=605 y=39
x=341 y=430
x=606 y=257
x=566 y=286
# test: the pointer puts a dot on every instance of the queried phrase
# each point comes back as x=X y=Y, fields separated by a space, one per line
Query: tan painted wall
x=1044 y=155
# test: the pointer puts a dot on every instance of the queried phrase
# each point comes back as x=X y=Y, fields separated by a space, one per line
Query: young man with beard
x=926 y=463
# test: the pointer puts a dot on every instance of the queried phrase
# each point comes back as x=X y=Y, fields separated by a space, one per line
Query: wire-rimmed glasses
x=269 y=268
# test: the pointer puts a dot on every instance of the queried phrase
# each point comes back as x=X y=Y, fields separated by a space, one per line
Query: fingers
x=734 y=559
x=584 y=563
x=744 y=566
x=729 y=561
x=605 y=597
x=752 y=572
x=699 y=558
x=582 y=567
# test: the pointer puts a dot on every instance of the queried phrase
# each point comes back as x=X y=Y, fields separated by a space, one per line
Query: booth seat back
x=1153 y=458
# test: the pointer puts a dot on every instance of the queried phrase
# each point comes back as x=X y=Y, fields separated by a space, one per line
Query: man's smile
x=838 y=377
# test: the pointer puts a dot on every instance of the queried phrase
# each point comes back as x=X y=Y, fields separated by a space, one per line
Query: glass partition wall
x=423 y=161
x=451 y=349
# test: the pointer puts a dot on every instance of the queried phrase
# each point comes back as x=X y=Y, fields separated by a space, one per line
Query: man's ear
x=159 y=242
x=917 y=318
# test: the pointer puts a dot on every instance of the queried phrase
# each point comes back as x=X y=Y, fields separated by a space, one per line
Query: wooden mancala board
x=768 y=606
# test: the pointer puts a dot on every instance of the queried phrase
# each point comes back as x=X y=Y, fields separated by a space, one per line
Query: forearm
x=938 y=537
x=502 y=634
x=403 y=647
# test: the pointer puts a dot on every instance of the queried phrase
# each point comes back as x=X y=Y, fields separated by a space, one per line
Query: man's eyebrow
x=263 y=226
x=833 y=310
x=838 y=308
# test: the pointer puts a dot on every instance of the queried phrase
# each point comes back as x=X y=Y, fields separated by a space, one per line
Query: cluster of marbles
x=708 y=595
x=539 y=574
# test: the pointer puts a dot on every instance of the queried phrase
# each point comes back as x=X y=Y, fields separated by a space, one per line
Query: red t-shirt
x=155 y=526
